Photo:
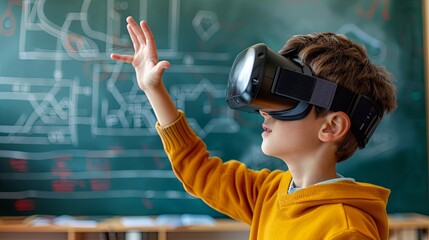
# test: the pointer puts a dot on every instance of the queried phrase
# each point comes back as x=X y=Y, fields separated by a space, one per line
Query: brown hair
x=336 y=58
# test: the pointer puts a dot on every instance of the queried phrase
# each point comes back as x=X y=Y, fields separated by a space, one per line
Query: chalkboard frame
x=425 y=15
x=412 y=144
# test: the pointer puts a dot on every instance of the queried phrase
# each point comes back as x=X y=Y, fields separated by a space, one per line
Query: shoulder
x=352 y=222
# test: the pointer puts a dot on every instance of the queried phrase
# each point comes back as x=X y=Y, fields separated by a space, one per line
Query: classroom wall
x=77 y=136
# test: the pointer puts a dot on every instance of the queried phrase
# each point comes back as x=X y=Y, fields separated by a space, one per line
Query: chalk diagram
x=117 y=109
x=103 y=97
x=49 y=122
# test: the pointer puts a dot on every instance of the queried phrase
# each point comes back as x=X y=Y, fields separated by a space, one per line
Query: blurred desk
x=401 y=227
x=410 y=226
x=111 y=228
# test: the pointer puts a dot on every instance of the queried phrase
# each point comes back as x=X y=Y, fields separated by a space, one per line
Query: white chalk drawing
x=50 y=109
x=206 y=24
x=47 y=115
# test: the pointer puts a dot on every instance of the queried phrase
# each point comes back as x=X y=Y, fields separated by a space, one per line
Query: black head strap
x=364 y=113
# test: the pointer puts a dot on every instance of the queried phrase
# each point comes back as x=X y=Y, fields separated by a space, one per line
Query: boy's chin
x=266 y=150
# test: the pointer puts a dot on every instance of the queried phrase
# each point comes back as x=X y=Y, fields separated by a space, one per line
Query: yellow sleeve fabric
x=228 y=187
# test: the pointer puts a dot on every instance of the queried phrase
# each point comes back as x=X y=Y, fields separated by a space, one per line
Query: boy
x=310 y=200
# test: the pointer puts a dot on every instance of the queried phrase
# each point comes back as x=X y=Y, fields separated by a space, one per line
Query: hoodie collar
x=293 y=189
x=360 y=195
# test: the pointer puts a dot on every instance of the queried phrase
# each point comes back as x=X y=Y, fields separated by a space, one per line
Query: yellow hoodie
x=339 y=210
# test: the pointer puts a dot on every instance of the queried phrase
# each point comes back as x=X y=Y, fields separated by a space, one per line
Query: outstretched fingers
x=147 y=34
x=136 y=33
x=144 y=48
x=134 y=39
x=122 y=58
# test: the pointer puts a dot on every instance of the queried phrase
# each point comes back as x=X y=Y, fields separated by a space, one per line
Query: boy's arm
x=227 y=187
x=149 y=71
x=202 y=176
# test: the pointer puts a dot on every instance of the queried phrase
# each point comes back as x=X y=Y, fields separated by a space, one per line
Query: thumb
x=161 y=66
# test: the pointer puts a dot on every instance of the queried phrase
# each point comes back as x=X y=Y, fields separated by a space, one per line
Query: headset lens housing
x=241 y=72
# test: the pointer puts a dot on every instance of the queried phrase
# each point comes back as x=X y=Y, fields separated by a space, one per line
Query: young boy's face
x=290 y=139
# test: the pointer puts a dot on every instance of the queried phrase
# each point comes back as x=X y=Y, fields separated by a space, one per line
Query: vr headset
x=260 y=78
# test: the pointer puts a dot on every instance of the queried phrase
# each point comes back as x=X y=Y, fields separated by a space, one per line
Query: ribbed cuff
x=177 y=134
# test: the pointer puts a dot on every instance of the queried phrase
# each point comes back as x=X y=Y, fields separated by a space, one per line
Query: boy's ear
x=335 y=127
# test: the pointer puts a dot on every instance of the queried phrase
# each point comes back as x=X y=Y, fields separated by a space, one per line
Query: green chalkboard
x=77 y=136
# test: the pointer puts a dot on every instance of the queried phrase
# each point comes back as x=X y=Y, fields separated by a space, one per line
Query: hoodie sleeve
x=228 y=187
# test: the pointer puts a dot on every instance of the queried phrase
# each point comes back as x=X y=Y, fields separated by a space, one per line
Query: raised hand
x=149 y=71
x=145 y=59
